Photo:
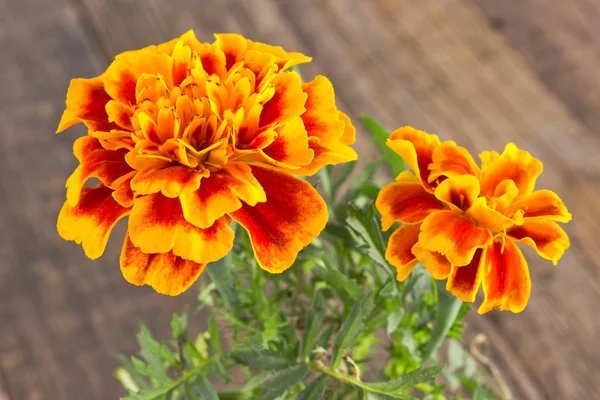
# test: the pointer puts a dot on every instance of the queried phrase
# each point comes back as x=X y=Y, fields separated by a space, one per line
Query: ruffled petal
x=416 y=148
x=86 y=102
x=405 y=201
x=287 y=102
x=459 y=191
x=90 y=222
x=95 y=162
x=120 y=81
x=398 y=252
x=222 y=193
x=454 y=236
x=506 y=282
x=293 y=215
x=437 y=265
x=165 y=272
x=171 y=181
x=157 y=225
x=543 y=203
x=492 y=219
x=451 y=160
x=514 y=164
x=290 y=146
x=463 y=282
x=545 y=236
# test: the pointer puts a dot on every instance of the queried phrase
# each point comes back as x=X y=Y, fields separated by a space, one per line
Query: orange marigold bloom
x=186 y=136
x=462 y=221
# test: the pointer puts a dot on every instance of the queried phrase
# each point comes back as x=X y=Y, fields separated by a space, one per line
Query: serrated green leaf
x=179 y=325
x=126 y=380
x=154 y=353
x=284 y=381
x=351 y=328
x=380 y=137
x=266 y=360
x=206 y=389
x=314 y=324
x=339 y=281
x=315 y=390
x=393 y=320
x=135 y=375
x=407 y=381
x=220 y=273
x=364 y=223
x=448 y=308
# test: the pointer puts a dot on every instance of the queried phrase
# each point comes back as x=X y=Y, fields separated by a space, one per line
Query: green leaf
x=325 y=183
x=206 y=389
x=339 y=281
x=364 y=223
x=343 y=175
x=284 y=381
x=123 y=376
x=150 y=394
x=380 y=137
x=220 y=273
x=315 y=390
x=410 y=380
x=314 y=324
x=351 y=328
x=448 y=308
x=179 y=325
x=266 y=360
x=155 y=354
x=393 y=320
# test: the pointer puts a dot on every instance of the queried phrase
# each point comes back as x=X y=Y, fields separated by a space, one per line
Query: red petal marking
x=464 y=281
x=165 y=272
x=287 y=102
x=293 y=215
x=157 y=225
x=86 y=102
x=506 y=282
x=405 y=201
x=398 y=252
x=120 y=81
x=171 y=181
x=89 y=222
x=544 y=235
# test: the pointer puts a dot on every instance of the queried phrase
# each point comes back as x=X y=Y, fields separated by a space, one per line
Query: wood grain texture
x=440 y=65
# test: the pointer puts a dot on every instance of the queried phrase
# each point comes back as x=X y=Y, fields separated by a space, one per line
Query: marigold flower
x=187 y=136
x=462 y=221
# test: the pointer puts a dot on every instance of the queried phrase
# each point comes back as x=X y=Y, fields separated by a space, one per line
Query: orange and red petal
x=171 y=181
x=493 y=220
x=321 y=118
x=222 y=193
x=514 y=164
x=90 y=222
x=416 y=148
x=437 y=265
x=506 y=282
x=290 y=146
x=398 y=252
x=86 y=102
x=95 y=162
x=405 y=201
x=167 y=273
x=293 y=215
x=454 y=236
x=543 y=203
x=287 y=101
x=157 y=225
x=451 y=160
x=458 y=191
x=335 y=154
x=545 y=236
x=120 y=80
x=463 y=282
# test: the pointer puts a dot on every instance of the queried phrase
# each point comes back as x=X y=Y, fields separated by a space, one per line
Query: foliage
x=336 y=325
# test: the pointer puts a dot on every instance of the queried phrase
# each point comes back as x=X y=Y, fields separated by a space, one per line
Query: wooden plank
x=64 y=317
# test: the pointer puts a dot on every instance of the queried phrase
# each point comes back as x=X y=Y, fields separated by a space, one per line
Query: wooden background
x=482 y=72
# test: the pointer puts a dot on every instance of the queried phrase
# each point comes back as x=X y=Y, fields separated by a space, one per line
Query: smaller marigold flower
x=463 y=221
x=186 y=137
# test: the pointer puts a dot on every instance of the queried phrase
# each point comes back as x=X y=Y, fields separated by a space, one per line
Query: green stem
x=345 y=378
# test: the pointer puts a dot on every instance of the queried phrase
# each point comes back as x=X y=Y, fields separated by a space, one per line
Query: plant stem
x=317 y=366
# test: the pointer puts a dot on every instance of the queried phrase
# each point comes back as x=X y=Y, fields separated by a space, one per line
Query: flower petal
x=416 y=148
x=545 y=236
x=291 y=144
x=95 y=162
x=464 y=281
x=492 y=219
x=459 y=191
x=437 y=265
x=454 y=236
x=86 y=102
x=543 y=203
x=287 y=102
x=120 y=81
x=171 y=181
x=293 y=215
x=157 y=225
x=222 y=193
x=405 y=201
x=398 y=252
x=514 y=164
x=451 y=160
x=90 y=222
x=165 y=272
x=506 y=281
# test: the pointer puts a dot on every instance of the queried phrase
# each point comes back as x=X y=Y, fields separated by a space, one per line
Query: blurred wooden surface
x=482 y=72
